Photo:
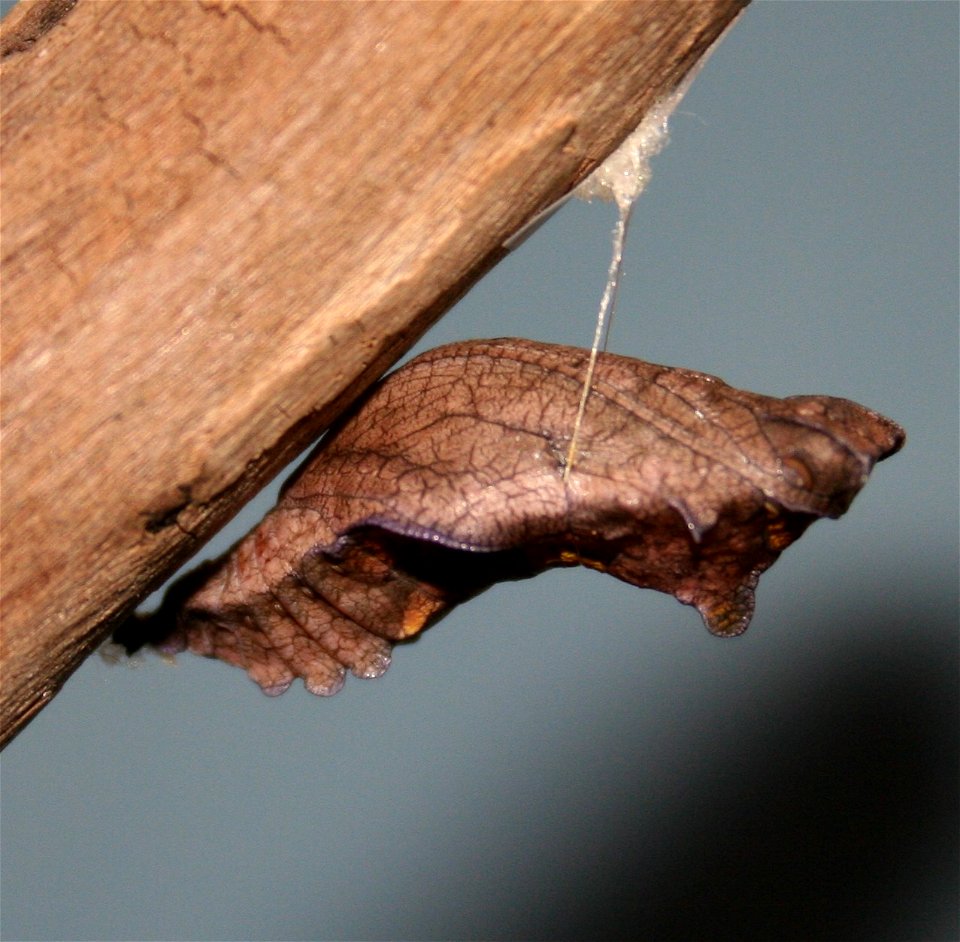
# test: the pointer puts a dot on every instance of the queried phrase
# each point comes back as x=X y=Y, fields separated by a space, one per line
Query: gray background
x=569 y=757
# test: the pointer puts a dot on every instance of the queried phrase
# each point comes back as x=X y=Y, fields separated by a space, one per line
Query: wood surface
x=222 y=220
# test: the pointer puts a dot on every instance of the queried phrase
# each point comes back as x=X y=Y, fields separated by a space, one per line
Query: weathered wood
x=220 y=221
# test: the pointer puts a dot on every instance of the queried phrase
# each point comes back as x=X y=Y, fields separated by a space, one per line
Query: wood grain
x=221 y=221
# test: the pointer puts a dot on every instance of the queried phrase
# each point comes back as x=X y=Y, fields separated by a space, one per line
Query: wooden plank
x=222 y=220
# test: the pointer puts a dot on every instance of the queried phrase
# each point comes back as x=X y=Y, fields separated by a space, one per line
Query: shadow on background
x=836 y=820
x=843 y=826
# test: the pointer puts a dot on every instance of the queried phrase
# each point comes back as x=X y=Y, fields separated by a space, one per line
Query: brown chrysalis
x=448 y=477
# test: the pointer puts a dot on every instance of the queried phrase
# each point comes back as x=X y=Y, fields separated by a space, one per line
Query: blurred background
x=569 y=757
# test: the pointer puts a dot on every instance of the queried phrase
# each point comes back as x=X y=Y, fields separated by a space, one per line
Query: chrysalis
x=449 y=476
